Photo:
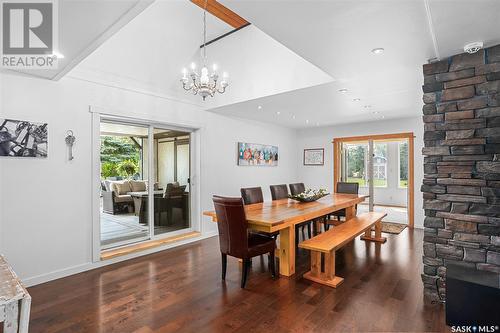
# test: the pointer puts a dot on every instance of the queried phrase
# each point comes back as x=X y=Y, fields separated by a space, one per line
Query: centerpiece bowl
x=309 y=195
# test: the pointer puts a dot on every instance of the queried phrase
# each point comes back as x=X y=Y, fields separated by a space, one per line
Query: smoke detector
x=473 y=47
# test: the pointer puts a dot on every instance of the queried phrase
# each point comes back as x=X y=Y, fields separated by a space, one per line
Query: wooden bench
x=333 y=239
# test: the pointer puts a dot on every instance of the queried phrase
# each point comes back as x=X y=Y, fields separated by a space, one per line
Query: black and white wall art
x=19 y=138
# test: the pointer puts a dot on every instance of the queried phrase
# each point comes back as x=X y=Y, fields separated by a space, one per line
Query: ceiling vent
x=473 y=47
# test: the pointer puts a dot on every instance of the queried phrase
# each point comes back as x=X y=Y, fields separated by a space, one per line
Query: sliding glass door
x=172 y=175
x=143 y=169
x=124 y=198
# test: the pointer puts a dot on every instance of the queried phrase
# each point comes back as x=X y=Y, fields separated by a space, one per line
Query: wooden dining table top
x=279 y=214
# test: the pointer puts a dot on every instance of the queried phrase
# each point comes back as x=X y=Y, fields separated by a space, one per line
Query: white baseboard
x=64 y=272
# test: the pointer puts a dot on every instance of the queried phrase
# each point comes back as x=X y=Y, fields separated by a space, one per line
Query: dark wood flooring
x=180 y=290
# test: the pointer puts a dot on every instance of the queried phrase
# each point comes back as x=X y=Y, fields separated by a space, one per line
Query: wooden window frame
x=382 y=137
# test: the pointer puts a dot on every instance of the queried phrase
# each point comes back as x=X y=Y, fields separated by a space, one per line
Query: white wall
x=47 y=202
x=321 y=137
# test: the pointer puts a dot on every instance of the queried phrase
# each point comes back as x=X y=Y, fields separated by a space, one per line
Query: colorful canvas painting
x=19 y=138
x=257 y=154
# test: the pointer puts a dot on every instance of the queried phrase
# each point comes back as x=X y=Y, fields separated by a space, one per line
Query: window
x=380 y=164
x=403 y=164
x=356 y=160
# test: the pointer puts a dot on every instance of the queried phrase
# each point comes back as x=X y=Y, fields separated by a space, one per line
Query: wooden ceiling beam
x=223 y=13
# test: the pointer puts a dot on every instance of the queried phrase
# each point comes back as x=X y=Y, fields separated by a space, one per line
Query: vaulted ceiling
x=300 y=63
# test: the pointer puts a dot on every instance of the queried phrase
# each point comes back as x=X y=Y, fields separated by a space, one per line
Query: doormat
x=392 y=228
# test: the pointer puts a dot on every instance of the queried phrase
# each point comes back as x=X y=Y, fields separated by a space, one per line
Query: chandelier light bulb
x=204 y=76
x=214 y=67
x=193 y=66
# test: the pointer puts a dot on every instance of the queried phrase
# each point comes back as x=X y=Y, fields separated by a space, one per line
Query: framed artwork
x=253 y=154
x=20 y=138
x=314 y=156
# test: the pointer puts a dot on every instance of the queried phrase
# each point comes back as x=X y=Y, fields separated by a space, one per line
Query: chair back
x=174 y=190
x=297 y=188
x=232 y=224
x=348 y=188
x=279 y=191
x=252 y=195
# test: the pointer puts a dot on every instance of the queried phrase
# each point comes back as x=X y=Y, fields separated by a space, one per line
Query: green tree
x=403 y=161
x=116 y=150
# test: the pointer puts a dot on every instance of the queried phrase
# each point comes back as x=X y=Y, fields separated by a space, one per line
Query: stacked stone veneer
x=461 y=186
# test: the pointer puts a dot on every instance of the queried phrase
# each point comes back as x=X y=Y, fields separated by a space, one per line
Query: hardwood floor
x=180 y=290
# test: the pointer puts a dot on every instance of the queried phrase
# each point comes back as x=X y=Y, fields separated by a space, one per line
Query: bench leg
x=378 y=234
x=327 y=277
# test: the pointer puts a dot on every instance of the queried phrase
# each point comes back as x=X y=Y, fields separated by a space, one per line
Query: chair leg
x=296 y=239
x=309 y=230
x=272 y=264
x=224 y=265
x=244 y=272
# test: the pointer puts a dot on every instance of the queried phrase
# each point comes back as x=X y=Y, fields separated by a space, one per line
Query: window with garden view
x=403 y=164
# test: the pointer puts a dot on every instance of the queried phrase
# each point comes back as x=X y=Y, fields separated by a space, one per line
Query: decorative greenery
x=127 y=168
x=309 y=195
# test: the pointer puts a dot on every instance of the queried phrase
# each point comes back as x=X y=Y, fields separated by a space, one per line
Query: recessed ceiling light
x=259 y=107
x=278 y=113
x=378 y=50
x=343 y=90
x=356 y=99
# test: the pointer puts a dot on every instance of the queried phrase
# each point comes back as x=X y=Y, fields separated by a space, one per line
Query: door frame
x=98 y=114
x=382 y=137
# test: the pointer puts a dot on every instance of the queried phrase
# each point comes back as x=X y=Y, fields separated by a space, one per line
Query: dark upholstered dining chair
x=252 y=195
x=279 y=192
x=347 y=188
x=236 y=240
x=297 y=188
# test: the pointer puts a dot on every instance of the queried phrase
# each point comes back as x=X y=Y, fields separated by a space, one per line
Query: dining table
x=282 y=216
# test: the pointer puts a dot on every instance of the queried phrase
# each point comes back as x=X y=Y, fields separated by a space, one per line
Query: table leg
x=287 y=251
x=10 y=323
x=350 y=212
x=24 y=316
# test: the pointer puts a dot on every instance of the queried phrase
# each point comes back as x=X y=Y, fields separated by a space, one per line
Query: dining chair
x=252 y=195
x=347 y=188
x=295 y=189
x=236 y=240
x=279 y=192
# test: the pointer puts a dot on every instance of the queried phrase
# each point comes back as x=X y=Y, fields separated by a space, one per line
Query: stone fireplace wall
x=461 y=186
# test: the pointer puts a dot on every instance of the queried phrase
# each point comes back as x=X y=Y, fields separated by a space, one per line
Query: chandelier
x=204 y=83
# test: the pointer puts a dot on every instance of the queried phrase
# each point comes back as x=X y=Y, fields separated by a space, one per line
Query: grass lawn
x=376 y=182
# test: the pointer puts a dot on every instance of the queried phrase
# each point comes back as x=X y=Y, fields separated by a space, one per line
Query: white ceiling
x=86 y=24
x=291 y=61
x=337 y=36
x=150 y=52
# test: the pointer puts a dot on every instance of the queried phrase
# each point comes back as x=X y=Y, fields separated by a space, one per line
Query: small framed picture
x=314 y=156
